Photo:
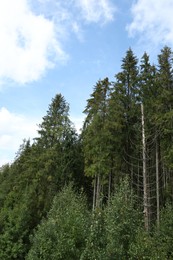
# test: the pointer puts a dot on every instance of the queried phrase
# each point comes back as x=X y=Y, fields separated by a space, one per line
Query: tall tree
x=96 y=138
x=127 y=94
x=59 y=143
x=165 y=107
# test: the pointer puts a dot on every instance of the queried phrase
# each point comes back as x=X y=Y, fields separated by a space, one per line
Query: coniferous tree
x=55 y=124
x=116 y=124
x=96 y=139
x=127 y=93
x=60 y=147
x=165 y=113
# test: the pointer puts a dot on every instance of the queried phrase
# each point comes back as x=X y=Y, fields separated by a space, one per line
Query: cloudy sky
x=66 y=46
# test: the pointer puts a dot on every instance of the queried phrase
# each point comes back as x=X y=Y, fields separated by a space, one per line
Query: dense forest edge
x=103 y=194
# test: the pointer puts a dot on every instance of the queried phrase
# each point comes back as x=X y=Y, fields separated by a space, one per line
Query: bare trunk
x=145 y=194
x=109 y=187
x=98 y=192
x=94 y=193
x=138 y=182
x=157 y=184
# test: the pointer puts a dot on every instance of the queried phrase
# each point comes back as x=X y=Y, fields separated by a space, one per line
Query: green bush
x=121 y=223
x=96 y=240
x=63 y=234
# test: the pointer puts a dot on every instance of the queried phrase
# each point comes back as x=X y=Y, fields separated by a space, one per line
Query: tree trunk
x=109 y=186
x=145 y=193
x=98 y=192
x=157 y=184
x=94 y=193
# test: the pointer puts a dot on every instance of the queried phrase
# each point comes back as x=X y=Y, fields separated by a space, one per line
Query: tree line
x=106 y=193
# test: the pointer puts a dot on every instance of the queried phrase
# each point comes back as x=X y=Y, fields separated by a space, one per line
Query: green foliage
x=62 y=235
x=4 y=183
x=158 y=244
x=96 y=240
x=38 y=172
x=96 y=137
x=125 y=114
x=95 y=134
x=55 y=124
x=164 y=236
x=144 y=246
x=58 y=148
x=16 y=223
x=121 y=222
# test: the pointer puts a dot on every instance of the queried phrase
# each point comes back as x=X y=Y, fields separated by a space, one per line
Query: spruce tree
x=55 y=124
x=165 y=117
x=96 y=139
x=127 y=96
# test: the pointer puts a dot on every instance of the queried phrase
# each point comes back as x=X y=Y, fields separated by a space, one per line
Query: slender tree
x=148 y=96
x=96 y=139
x=127 y=94
x=165 y=112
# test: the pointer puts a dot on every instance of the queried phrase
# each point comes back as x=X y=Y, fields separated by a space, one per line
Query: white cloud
x=32 y=33
x=88 y=10
x=14 y=129
x=96 y=11
x=72 y=14
x=26 y=42
x=152 y=21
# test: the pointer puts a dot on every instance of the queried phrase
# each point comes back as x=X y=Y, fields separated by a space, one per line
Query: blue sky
x=66 y=46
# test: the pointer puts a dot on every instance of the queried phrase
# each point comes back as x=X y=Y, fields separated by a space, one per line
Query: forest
x=103 y=194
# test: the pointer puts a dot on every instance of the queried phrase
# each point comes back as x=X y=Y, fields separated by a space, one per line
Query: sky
x=66 y=46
